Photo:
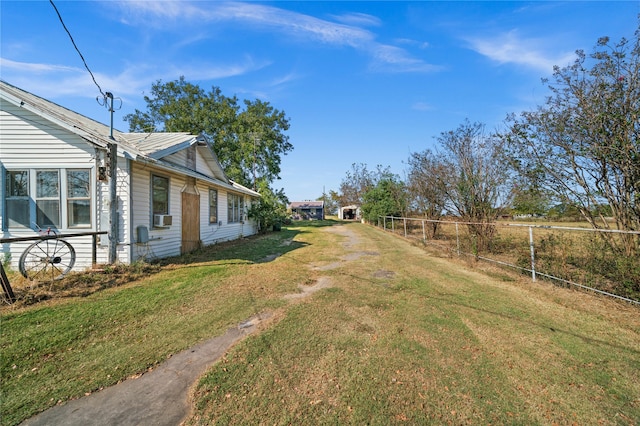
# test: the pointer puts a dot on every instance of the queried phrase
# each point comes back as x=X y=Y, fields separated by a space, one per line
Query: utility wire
x=78 y=50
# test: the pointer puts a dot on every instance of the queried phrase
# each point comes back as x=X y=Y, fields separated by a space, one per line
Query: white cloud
x=395 y=59
x=259 y=17
x=510 y=48
x=63 y=80
x=361 y=19
x=8 y=64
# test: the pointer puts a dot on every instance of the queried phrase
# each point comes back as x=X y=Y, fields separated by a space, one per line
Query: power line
x=77 y=50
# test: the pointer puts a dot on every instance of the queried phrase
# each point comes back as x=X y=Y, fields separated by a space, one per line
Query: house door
x=190 y=218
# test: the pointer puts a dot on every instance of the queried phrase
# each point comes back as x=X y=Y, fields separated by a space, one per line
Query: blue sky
x=361 y=82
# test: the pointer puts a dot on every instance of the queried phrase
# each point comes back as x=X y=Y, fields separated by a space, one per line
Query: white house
x=172 y=194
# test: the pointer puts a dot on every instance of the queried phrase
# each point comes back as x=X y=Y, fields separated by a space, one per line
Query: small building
x=171 y=193
x=351 y=212
x=307 y=210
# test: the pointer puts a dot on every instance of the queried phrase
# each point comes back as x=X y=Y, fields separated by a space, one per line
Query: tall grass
x=572 y=256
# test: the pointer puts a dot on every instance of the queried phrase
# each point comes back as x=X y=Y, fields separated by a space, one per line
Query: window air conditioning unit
x=162 y=220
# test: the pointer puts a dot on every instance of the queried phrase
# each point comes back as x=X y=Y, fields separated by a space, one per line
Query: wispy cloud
x=511 y=48
x=360 y=19
x=7 y=64
x=346 y=31
x=394 y=59
x=64 y=80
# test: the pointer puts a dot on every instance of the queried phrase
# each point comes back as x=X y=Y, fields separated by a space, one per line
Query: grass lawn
x=400 y=336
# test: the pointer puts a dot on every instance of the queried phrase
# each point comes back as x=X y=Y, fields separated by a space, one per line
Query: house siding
x=165 y=242
x=56 y=140
x=28 y=142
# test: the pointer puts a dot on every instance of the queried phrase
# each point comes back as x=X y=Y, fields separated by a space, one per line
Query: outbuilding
x=307 y=210
x=351 y=212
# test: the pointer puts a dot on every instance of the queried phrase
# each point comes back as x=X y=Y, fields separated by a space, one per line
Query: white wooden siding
x=180 y=158
x=163 y=242
x=29 y=142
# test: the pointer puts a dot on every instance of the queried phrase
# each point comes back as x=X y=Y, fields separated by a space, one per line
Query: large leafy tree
x=386 y=198
x=249 y=140
x=584 y=141
x=270 y=210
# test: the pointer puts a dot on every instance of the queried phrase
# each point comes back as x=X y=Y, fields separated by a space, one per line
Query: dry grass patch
x=433 y=343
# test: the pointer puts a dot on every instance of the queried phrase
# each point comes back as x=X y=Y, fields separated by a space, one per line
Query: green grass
x=428 y=341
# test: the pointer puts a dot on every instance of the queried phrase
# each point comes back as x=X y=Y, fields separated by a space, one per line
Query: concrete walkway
x=159 y=397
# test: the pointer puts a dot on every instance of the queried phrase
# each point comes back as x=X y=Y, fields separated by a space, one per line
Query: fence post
x=458 y=239
x=393 y=225
x=424 y=235
x=404 y=219
x=94 y=256
x=6 y=286
x=533 y=256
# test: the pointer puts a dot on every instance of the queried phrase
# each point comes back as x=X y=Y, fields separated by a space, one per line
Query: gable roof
x=307 y=205
x=150 y=148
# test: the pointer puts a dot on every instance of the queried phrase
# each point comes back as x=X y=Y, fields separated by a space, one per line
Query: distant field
x=399 y=336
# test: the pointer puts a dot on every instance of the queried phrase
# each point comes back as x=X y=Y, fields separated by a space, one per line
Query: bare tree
x=584 y=140
x=474 y=178
x=358 y=181
x=425 y=187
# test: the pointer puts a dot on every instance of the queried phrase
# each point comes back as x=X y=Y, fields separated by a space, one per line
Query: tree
x=270 y=210
x=530 y=200
x=474 y=178
x=249 y=142
x=585 y=139
x=331 y=202
x=386 y=198
x=425 y=187
x=357 y=181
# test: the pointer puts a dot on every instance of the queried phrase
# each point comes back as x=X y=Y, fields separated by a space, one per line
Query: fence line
x=382 y=221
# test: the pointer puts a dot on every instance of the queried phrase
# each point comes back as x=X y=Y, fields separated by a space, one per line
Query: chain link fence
x=566 y=255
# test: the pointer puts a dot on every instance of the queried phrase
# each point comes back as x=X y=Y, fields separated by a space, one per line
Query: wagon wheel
x=47 y=259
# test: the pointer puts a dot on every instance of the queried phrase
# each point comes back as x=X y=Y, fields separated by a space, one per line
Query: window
x=78 y=198
x=160 y=194
x=235 y=207
x=48 y=198
x=17 y=197
x=213 y=206
x=58 y=198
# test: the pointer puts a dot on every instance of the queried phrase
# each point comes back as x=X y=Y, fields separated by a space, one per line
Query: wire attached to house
x=77 y=49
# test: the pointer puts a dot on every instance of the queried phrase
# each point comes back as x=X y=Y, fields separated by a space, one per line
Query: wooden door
x=190 y=221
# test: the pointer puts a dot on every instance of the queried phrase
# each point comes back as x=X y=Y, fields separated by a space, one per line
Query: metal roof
x=306 y=204
x=145 y=147
x=158 y=145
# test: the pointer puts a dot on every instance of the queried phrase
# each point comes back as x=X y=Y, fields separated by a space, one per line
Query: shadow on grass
x=253 y=249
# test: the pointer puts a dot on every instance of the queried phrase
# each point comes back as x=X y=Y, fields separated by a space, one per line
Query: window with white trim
x=160 y=194
x=60 y=198
x=213 y=206
x=78 y=198
x=17 y=198
x=235 y=208
x=48 y=198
